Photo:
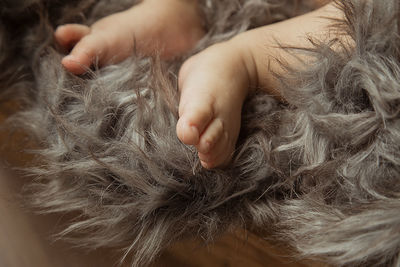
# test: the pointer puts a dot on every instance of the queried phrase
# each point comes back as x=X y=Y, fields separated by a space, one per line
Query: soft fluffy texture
x=320 y=174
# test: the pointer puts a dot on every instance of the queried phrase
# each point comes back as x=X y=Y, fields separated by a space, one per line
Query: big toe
x=194 y=118
x=77 y=64
x=85 y=53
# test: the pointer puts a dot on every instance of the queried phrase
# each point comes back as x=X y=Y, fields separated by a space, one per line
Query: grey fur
x=320 y=174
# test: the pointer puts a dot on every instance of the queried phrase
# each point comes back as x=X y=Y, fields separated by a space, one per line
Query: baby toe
x=69 y=34
x=194 y=118
x=211 y=136
x=219 y=155
x=84 y=54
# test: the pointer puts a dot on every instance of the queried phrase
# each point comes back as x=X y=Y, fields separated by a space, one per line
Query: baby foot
x=176 y=28
x=214 y=85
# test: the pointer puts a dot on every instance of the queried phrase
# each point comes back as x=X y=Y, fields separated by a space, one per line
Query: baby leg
x=214 y=85
x=175 y=26
x=215 y=82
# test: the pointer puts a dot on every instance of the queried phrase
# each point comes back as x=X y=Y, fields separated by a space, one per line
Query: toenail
x=69 y=58
x=207 y=146
x=205 y=165
x=60 y=27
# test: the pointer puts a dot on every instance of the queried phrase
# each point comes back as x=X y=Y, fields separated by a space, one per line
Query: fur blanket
x=321 y=173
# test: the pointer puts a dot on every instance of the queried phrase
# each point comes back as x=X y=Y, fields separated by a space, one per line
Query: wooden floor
x=25 y=237
x=233 y=249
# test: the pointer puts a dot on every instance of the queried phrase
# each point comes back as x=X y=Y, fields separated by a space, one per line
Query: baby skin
x=149 y=26
x=214 y=83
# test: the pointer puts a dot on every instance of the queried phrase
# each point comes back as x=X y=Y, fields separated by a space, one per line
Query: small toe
x=75 y=64
x=69 y=34
x=211 y=136
x=84 y=54
x=219 y=155
x=187 y=133
x=195 y=117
